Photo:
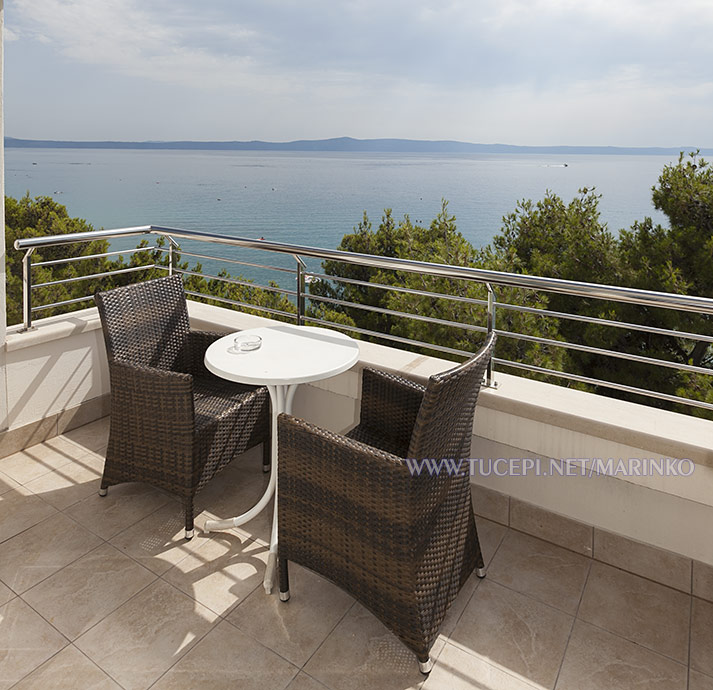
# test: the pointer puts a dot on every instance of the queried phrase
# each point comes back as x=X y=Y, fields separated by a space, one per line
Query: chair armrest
x=198 y=343
x=151 y=399
x=389 y=404
x=355 y=488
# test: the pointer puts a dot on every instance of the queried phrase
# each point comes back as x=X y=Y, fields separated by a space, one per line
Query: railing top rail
x=497 y=278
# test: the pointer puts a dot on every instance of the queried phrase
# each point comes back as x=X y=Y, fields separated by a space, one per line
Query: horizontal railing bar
x=402 y=314
x=235 y=261
x=495 y=278
x=235 y=281
x=395 y=338
x=607 y=384
x=605 y=322
x=95 y=256
x=95 y=275
x=606 y=353
x=396 y=288
x=76 y=237
x=60 y=304
x=241 y=304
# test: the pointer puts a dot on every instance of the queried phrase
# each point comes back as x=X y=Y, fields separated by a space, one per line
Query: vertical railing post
x=171 y=244
x=300 y=290
x=490 y=373
x=27 y=290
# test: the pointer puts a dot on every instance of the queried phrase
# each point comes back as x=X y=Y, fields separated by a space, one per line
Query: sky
x=524 y=72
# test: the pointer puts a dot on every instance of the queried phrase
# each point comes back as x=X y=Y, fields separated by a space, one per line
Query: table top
x=289 y=354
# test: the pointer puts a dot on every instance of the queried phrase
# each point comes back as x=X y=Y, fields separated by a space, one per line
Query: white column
x=3 y=310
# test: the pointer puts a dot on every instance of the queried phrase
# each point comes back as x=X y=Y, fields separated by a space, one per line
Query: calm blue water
x=315 y=198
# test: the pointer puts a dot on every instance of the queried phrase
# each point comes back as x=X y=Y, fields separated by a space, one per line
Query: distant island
x=348 y=144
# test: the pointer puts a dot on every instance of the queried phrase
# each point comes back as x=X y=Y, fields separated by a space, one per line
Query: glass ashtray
x=245 y=343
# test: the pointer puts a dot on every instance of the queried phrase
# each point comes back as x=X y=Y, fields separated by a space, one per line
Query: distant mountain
x=348 y=144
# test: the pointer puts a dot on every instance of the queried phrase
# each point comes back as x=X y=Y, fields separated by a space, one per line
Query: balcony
x=595 y=580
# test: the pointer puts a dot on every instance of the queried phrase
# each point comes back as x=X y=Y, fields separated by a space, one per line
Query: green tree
x=38 y=217
x=440 y=242
x=676 y=258
x=559 y=240
x=43 y=216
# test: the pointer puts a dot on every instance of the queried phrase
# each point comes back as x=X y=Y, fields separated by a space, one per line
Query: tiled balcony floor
x=105 y=593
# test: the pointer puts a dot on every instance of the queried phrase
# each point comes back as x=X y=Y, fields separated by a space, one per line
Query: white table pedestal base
x=281 y=398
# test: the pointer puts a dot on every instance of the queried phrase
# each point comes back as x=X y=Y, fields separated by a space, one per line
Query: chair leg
x=284 y=580
x=189 y=518
x=103 y=491
x=425 y=664
x=266 y=455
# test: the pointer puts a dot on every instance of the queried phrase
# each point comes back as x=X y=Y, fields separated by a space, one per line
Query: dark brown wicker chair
x=350 y=508
x=173 y=424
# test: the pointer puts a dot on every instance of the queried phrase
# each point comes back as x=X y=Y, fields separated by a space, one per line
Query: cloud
x=474 y=69
x=9 y=35
x=133 y=40
x=490 y=42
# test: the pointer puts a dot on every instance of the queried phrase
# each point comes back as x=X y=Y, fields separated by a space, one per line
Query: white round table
x=289 y=355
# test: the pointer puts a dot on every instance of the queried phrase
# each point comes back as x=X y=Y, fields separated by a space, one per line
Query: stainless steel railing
x=491 y=279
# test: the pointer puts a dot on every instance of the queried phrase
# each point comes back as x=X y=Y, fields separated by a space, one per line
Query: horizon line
x=347 y=144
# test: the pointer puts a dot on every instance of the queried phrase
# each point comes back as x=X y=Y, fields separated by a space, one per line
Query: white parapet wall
x=57 y=377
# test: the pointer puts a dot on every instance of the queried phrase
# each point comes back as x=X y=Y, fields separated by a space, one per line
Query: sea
x=314 y=198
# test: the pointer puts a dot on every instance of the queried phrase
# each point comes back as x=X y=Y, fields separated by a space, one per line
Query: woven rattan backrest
x=146 y=323
x=444 y=424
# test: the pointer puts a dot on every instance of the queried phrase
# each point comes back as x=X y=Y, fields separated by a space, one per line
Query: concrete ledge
x=19 y=438
x=660 y=431
x=53 y=328
x=627 y=424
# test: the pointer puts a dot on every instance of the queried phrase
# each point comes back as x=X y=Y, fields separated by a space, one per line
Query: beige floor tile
x=490 y=535
x=459 y=670
x=702 y=636
x=293 y=629
x=143 y=638
x=222 y=572
x=514 y=632
x=361 y=653
x=5 y=594
x=598 y=660
x=33 y=462
x=642 y=611
x=123 y=506
x=225 y=659
x=544 y=571
x=458 y=606
x=80 y=595
x=26 y=641
x=158 y=541
x=93 y=460
x=304 y=682
x=66 y=485
x=698 y=681
x=93 y=436
x=20 y=509
x=68 y=669
x=42 y=550
x=6 y=483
